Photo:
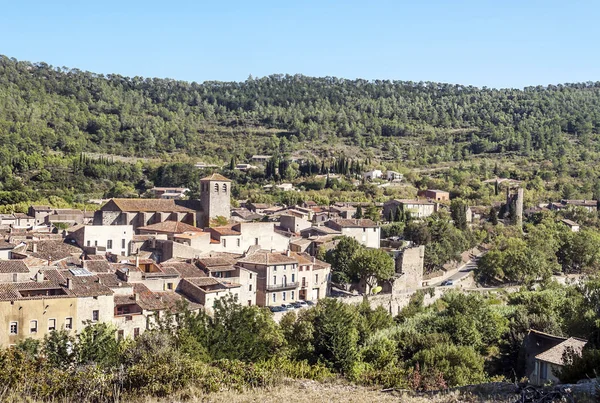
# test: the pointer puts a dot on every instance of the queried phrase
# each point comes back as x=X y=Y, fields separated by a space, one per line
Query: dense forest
x=45 y=108
x=53 y=118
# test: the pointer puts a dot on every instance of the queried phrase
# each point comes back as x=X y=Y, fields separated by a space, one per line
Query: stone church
x=215 y=201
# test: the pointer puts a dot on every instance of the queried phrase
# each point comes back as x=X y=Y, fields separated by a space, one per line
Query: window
x=300 y=268
x=120 y=334
x=274 y=279
x=169 y=286
x=68 y=323
x=284 y=280
x=95 y=316
x=88 y=243
x=249 y=302
x=293 y=277
x=224 y=242
x=224 y=188
x=33 y=326
x=15 y=277
x=374 y=229
x=95 y=243
x=364 y=230
x=217 y=187
x=109 y=244
x=250 y=275
x=238 y=242
x=255 y=241
x=14 y=327
x=122 y=244
x=283 y=295
x=274 y=297
x=51 y=324
x=544 y=370
x=274 y=268
x=316 y=278
x=292 y=295
x=250 y=287
x=136 y=332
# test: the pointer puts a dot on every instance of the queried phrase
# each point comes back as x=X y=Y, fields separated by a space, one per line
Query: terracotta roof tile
x=216 y=177
x=149 y=205
x=555 y=354
x=185 y=270
x=13 y=266
x=112 y=280
x=265 y=257
x=97 y=266
x=175 y=227
x=225 y=231
x=354 y=222
x=52 y=250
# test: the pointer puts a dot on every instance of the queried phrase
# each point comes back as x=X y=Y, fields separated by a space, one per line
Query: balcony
x=285 y=286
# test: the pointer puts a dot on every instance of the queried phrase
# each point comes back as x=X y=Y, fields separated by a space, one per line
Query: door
x=315 y=293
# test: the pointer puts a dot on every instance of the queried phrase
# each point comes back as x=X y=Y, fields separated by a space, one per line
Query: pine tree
x=359 y=213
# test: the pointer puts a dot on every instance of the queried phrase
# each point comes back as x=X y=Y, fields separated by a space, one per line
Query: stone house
x=417 y=208
x=364 y=230
x=544 y=355
x=98 y=239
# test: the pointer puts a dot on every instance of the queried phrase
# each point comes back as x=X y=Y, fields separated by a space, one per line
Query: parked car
x=288 y=307
x=310 y=303
x=447 y=282
x=276 y=309
x=300 y=304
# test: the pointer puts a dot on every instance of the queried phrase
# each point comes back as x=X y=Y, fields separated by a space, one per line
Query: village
x=135 y=261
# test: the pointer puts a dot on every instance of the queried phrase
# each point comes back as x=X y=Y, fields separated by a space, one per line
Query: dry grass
x=314 y=392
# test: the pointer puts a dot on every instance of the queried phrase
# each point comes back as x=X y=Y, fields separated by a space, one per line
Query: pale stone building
x=365 y=231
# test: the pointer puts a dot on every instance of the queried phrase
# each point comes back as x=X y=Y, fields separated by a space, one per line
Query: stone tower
x=215 y=198
x=516 y=199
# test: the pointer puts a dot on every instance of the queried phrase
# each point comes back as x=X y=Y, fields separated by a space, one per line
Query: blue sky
x=499 y=43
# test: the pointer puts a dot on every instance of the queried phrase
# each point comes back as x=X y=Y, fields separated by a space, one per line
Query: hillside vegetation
x=46 y=108
x=449 y=136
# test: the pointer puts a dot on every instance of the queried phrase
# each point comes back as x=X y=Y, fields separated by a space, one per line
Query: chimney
x=69 y=283
x=99 y=281
x=314 y=259
x=137 y=261
x=136 y=297
x=39 y=277
x=288 y=253
x=34 y=247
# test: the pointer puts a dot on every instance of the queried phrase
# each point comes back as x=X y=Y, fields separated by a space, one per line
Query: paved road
x=461 y=274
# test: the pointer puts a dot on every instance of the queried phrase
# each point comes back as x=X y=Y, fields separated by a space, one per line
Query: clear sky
x=497 y=43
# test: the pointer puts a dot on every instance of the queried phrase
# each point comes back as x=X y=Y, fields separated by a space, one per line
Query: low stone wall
x=393 y=303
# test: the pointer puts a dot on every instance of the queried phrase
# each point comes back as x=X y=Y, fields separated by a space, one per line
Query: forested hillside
x=48 y=108
x=51 y=118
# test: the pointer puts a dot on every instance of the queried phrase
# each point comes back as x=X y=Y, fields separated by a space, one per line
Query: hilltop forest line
x=49 y=116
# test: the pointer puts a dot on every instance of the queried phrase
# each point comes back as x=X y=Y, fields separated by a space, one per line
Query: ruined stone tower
x=215 y=198
x=516 y=199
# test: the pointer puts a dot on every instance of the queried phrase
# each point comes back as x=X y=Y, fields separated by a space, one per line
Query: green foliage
x=341 y=257
x=458 y=365
x=372 y=266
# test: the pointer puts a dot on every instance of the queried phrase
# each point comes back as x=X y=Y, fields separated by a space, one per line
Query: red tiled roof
x=97 y=266
x=555 y=354
x=265 y=257
x=216 y=177
x=175 y=227
x=185 y=270
x=355 y=222
x=150 y=205
x=225 y=231
x=13 y=266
